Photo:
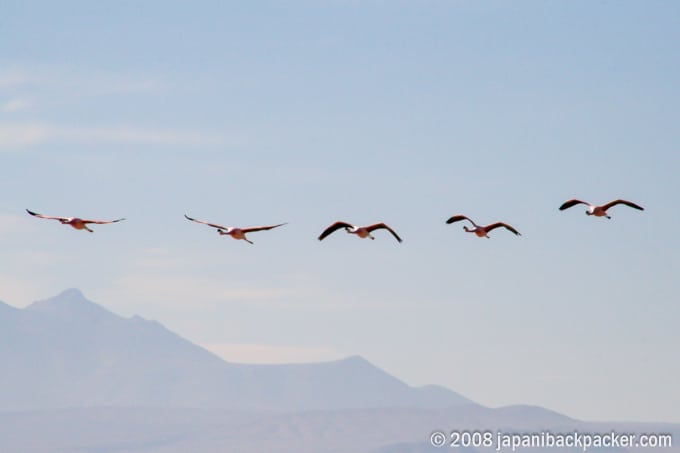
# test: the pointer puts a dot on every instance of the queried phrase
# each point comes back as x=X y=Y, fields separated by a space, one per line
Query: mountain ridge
x=95 y=357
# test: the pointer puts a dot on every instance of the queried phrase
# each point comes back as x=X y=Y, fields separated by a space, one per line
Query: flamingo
x=75 y=222
x=361 y=231
x=236 y=233
x=481 y=231
x=599 y=211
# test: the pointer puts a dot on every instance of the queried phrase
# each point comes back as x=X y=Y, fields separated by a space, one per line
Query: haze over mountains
x=94 y=357
x=77 y=377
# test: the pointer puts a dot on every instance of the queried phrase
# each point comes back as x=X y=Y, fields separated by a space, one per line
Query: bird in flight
x=599 y=211
x=481 y=231
x=236 y=233
x=75 y=222
x=361 y=231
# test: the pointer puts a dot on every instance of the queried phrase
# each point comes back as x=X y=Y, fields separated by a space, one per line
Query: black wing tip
x=396 y=236
x=456 y=218
x=188 y=218
x=569 y=203
x=31 y=212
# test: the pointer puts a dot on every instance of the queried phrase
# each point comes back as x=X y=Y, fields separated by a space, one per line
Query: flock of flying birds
x=361 y=231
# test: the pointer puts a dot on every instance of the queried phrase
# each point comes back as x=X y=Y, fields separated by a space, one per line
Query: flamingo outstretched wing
x=493 y=226
x=334 y=227
x=382 y=226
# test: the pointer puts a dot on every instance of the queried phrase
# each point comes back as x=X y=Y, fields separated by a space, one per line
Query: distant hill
x=395 y=430
x=67 y=352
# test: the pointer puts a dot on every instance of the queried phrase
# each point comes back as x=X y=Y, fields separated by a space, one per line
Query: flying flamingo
x=481 y=231
x=361 y=231
x=236 y=233
x=599 y=211
x=75 y=222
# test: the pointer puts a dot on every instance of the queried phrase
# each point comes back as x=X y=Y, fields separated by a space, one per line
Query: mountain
x=77 y=377
x=70 y=352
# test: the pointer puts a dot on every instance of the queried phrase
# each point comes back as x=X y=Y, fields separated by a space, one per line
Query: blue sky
x=403 y=112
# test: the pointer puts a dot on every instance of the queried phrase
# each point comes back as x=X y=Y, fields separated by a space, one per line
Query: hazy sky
x=307 y=112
